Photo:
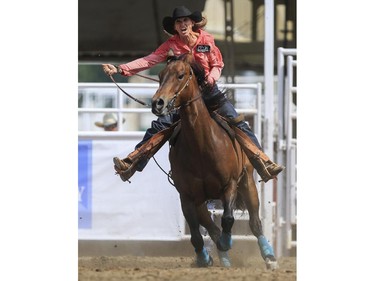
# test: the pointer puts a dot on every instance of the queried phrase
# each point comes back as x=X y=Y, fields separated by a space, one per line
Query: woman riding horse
x=199 y=172
x=187 y=36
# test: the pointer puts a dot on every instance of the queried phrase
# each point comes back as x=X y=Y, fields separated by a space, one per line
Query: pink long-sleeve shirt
x=205 y=52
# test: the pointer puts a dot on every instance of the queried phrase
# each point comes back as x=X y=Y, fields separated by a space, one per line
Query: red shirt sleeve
x=216 y=63
x=135 y=66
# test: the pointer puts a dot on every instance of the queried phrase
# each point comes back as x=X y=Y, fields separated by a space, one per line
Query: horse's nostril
x=160 y=102
x=157 y=106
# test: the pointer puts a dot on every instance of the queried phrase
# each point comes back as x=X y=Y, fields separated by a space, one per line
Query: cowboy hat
x=180 y=12
x=109 y=119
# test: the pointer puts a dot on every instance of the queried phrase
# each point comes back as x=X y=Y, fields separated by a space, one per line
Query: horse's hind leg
x=191 y=215
x=249 y=192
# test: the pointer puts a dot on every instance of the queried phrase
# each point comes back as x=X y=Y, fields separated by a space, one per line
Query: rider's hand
x=109 y=69
x=210 y=81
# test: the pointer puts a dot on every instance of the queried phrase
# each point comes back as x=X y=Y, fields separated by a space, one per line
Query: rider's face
x=183 y=26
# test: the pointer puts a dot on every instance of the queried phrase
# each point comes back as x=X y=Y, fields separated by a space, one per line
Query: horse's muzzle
x=159 y=107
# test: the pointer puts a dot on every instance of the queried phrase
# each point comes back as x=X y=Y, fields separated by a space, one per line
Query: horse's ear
x=170 y=56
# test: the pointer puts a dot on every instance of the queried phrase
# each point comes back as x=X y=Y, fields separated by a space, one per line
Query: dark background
x=123 y=30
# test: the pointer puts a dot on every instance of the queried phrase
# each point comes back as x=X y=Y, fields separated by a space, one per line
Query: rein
x=146 y=77
x=169 y=175
x=191 y=101
x=133 y=98
x=140 y=75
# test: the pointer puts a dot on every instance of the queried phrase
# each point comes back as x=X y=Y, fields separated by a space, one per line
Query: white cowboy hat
x=109 y=119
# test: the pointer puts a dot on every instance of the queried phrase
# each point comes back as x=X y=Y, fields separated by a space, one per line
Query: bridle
x=171 y=103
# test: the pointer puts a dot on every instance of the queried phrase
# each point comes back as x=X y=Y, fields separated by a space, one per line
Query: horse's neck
x=193 y=114
x=196 y=121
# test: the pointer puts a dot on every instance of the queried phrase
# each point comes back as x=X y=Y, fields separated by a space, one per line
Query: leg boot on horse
x=138 y=159
x=249 y=195
x=193 y=216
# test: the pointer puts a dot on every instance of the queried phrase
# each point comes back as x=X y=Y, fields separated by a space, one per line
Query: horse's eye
x=180 y=76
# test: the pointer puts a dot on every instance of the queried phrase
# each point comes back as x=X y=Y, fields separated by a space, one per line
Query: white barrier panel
x=148 y=208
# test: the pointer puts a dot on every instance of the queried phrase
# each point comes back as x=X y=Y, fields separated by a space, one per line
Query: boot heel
x=125 y=172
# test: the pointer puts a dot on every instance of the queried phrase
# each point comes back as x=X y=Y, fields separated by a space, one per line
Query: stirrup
x=267 y=170
x=125 y=169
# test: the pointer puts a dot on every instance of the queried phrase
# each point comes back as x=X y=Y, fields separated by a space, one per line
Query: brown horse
x=207 y=164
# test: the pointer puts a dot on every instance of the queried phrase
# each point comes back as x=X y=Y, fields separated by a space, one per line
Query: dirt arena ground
x=108 y=268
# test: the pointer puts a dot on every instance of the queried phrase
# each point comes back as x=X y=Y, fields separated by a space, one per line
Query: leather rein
x=171 y=104
x=130 y=96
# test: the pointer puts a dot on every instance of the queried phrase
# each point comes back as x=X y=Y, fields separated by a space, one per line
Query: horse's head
x=175 y=80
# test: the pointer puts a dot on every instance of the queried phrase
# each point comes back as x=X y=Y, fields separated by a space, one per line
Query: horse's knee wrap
x=265 y=247
x=227 y=223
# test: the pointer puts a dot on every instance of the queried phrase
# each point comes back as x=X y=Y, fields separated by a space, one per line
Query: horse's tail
x=240 y=203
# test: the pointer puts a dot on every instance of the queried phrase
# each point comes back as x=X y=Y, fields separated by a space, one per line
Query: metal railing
x=287 y=152
x=119 y=109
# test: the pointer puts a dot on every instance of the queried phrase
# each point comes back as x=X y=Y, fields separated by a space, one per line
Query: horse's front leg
x=206 y=221
x=190 y=213
x=225 y=241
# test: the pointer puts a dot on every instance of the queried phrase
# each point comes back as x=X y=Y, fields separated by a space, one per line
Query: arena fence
x=113 y=210
x=286 y=202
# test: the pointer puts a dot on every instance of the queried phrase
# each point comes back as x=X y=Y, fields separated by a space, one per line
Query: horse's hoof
x=224 y=258
x=204 y=259
x=271 y=264
x=203 y=263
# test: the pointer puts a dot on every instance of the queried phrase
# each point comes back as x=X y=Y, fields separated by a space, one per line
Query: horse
x=207 y=164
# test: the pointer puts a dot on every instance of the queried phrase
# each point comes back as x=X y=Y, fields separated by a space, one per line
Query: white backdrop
x=148 y=208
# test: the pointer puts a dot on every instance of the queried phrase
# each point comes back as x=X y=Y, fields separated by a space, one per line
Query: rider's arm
x=135 y=66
